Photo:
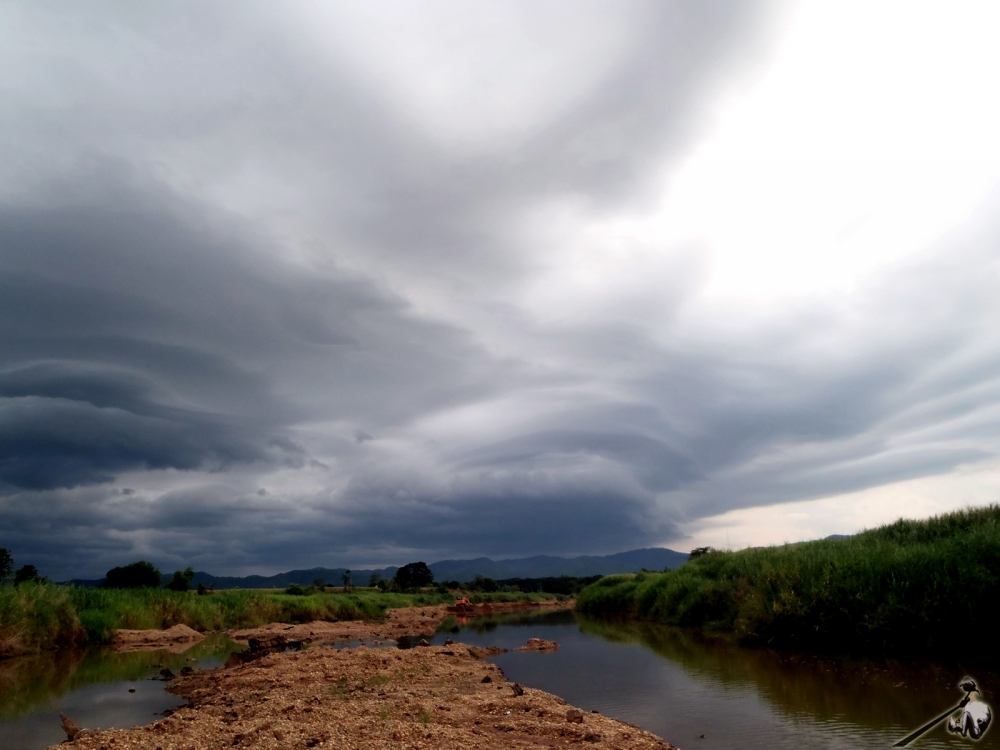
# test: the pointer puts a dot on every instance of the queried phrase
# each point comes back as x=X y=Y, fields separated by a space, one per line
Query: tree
x=374 y=580
x=181 y=580
x=347 y=580
x=413 y=576
x=6 y=564
x=136 y=575
x=481 y=583
x=26 y=573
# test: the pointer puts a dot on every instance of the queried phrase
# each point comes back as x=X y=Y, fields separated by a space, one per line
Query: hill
x=540 y=566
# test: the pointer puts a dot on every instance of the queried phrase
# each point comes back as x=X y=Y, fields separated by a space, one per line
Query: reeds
x=39 y=616
x=909 y=587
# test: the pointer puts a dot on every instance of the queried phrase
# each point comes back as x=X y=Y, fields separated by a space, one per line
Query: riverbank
x=36 y=617
x=912 y=587
x=431 y=697
x=401 y=622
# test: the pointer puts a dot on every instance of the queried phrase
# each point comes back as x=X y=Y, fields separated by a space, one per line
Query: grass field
x=909 y=587
x=37 y=616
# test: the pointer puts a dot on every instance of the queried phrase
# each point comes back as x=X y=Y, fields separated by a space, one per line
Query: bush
x=136 y=575
x=26 y=573
x=181 y=580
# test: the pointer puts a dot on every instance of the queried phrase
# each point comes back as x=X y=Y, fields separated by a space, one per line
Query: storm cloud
x=344 y=284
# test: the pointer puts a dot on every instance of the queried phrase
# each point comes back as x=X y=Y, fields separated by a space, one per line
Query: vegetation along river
x=698 y=693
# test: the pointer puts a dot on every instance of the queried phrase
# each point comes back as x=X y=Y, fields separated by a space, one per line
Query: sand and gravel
x=370 y=698
x=365 y=697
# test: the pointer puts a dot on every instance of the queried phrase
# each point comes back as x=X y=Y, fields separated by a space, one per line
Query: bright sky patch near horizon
x=355 y=284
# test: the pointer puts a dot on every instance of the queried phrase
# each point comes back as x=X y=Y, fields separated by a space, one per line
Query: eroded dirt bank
x=371 y=698
x=404 y=621
x=177 y=639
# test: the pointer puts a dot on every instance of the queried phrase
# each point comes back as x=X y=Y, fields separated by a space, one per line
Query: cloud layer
x=337 y=285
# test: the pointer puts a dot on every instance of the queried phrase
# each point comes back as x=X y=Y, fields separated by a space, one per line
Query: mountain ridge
x=537 y=566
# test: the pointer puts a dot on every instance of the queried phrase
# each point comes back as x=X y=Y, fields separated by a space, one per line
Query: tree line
x=24 y=574
x=409 y=577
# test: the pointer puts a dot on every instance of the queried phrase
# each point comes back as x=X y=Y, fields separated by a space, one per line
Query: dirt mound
x=178 y=637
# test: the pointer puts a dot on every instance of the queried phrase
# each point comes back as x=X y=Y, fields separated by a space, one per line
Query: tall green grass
x=910 y=587
x=41 y=615
x=38 y=616
x=32 y=614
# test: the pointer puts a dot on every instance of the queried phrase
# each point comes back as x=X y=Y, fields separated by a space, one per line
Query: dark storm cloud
x=140 y=337
x=655 y=465
x=262 y=305
x=553 y=519
x=49 y=443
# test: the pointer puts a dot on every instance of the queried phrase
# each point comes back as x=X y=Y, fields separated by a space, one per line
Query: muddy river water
x=696 y=692
x=96 y=688
x=713 y=695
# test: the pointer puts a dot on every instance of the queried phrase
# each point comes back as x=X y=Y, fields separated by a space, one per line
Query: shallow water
x=713 y=695
x=91 y=687
x=698 y=693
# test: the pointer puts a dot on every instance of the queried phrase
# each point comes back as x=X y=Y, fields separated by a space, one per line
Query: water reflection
x=97 y=688
x=822 y=687
x=712 y=693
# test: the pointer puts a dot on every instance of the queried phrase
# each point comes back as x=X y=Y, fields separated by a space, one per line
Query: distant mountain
x=329 y=576
x=540 y=566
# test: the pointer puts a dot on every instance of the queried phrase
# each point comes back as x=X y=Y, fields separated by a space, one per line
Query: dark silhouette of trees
x=26 y=573
x=181 y=580
x=6 y=564
x=482 y=583
x=413 y=575
x=136 y=575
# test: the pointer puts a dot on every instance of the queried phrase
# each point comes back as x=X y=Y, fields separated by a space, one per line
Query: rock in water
x=69 y=727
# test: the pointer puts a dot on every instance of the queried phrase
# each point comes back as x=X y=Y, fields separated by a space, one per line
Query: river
x=95 y=688
x=710 y=694
x=701 y=694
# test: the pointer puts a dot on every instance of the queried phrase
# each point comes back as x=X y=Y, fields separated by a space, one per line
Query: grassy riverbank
x=910 y=587
x=38 y=616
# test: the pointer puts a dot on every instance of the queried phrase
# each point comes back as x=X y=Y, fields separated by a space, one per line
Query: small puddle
x=98 y=688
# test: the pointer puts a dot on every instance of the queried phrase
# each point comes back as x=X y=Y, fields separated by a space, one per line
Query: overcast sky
x=353 y=283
